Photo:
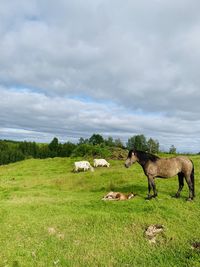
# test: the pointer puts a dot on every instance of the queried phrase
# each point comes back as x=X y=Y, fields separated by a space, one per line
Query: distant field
x=50 y=216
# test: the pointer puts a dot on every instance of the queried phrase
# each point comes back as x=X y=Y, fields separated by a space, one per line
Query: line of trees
x=95 y=146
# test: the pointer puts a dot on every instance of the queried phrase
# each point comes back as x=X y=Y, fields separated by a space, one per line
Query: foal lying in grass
x=118 y=196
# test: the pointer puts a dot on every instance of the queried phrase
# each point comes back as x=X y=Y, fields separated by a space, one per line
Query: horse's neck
x=143 y=165
x=142 y=162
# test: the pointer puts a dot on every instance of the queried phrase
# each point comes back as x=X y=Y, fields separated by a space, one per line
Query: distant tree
x=96 y=139
x=138 y=142
x=44 y=152
x=15 y=155
x=29 y=148
x=3 y=145
x=54 y=147
x=67 y=149
x=10 y=155
x=152 y=146
x=172 y=149
x=83 y=141
x=54 y=144
x=118 y=143
x=82 y=150
x=109 y=142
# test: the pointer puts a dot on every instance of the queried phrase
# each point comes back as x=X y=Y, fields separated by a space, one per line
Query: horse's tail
x=192 y=179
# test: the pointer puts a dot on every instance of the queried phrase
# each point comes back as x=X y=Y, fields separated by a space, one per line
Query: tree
x=96 y=139
x=109 y=141
x=118 y=143
x=83 y=141
x=152 y=146
x=10 y=155
x=53 y=146
x=82 y=150
x=137 y=142
x=3 y=145
x=67 y=149
x=44 y=152
x=29 y=148
x=172 y=149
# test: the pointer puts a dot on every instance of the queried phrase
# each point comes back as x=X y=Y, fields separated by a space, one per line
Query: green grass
x=39 y=195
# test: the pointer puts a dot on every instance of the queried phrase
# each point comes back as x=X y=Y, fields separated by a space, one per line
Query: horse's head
x=132 y=158
x=131 y=195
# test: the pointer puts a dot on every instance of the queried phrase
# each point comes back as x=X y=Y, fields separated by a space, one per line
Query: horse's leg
x=151 y=185
x=190 y=186
x=149 y=190
x=181 y=184
x=154 y=188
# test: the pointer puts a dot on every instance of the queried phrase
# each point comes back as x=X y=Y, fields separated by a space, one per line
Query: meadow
x=50 y=216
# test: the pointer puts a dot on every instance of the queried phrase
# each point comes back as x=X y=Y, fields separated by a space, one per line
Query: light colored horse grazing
x=82 y=166
x=101 y=162
x=154 y=166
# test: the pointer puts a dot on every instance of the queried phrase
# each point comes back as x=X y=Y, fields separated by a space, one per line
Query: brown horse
x=154 y=166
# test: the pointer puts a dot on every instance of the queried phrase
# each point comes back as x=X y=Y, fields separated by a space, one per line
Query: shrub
x=91 y=151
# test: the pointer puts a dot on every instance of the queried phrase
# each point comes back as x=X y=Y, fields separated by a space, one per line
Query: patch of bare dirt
x=52 y=231
x=153 y=231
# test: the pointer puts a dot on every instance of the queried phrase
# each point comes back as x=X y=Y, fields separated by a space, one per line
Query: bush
x=118 y=153
x=91 y=151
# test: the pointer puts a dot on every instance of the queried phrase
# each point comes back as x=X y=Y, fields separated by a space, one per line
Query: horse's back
x=185 y=163
x=168 y=167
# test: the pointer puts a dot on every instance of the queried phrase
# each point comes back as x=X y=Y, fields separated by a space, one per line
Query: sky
x=71 y=68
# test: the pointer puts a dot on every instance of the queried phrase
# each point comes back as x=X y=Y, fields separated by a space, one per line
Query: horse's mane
x=143 y=156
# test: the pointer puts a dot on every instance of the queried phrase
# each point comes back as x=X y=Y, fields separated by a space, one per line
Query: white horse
x=82 y=165
x=101 y=162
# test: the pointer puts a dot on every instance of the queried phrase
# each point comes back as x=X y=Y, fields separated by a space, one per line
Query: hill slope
x=51 y=216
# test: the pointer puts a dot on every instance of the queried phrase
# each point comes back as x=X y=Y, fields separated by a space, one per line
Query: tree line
x=95 y=146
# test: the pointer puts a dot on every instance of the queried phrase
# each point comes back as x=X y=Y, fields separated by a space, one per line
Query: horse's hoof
x=148 y=197
x=176 y=196
x=189 y=199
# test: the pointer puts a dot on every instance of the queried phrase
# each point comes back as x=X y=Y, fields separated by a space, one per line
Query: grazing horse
x=101 y=162
x=154 y=166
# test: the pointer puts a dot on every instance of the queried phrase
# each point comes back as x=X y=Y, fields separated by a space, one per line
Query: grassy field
x=50 y=216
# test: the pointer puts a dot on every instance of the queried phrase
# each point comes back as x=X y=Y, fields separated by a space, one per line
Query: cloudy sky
x=71 y=68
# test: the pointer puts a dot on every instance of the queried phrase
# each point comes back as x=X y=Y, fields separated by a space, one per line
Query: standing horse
x=154 y=166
